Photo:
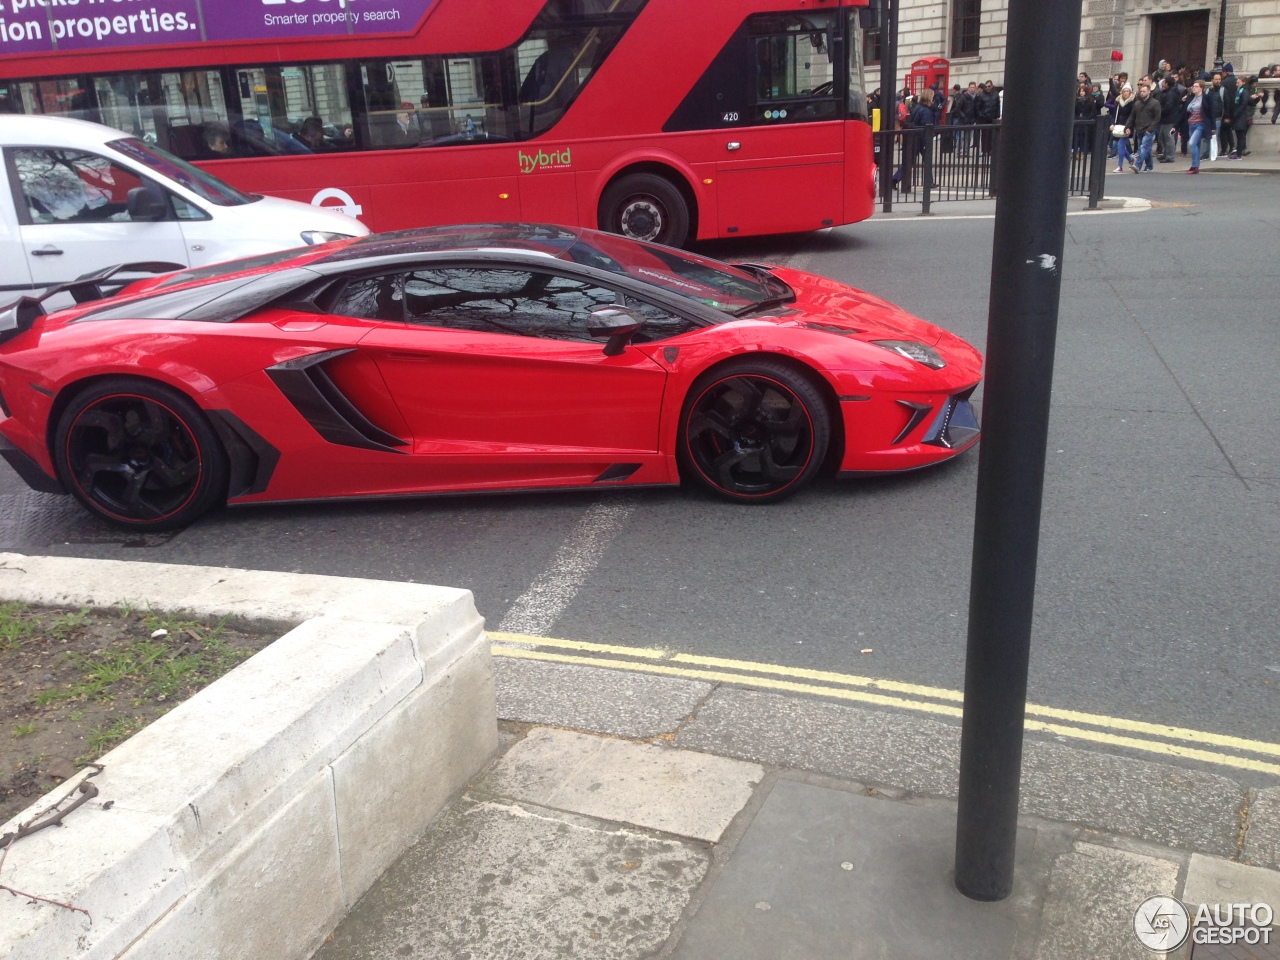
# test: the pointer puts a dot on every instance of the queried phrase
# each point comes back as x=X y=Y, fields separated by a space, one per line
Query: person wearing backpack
x=913 y=139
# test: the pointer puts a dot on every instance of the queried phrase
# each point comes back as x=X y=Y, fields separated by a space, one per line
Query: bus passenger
x=217 y=141
x=311 y=134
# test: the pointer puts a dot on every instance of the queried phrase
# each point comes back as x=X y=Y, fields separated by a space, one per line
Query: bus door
x=74 y=216
x=782 y=170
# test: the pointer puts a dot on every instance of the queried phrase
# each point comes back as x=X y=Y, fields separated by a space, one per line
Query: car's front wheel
x=140 y=454
x=753 y=431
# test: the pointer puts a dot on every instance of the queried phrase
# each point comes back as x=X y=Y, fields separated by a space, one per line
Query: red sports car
x=471 y=358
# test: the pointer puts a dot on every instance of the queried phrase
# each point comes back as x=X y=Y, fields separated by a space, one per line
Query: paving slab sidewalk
x=781 y=828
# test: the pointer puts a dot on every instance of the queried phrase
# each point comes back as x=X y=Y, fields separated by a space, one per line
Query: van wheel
x=140 y=454
x=645 y=206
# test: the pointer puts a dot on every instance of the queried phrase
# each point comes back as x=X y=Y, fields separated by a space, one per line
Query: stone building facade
x=1142 y=30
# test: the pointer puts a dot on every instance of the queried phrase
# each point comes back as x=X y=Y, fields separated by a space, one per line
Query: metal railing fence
x=959 y=162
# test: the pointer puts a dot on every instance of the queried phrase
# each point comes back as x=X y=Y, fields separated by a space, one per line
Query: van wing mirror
x=144 y=205
x=617 y=325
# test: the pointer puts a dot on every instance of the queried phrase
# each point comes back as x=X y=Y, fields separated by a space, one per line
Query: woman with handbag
x=1119 y=124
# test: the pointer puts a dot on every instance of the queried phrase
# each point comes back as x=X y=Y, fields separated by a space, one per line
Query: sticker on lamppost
x=1161 y=923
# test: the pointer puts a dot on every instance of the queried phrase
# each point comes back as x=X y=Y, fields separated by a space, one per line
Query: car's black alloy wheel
x=754 y=431
x=645 y=206
x=140 y=454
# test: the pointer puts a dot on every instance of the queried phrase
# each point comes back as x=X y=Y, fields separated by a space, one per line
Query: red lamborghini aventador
x=473 y=358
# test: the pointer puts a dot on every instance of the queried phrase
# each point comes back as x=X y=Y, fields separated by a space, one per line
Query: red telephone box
x=928 y=71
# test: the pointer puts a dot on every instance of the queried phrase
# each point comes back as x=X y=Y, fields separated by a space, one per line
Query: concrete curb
x=280 y=792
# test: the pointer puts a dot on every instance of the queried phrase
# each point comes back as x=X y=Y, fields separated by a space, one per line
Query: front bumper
x=28 y=469
x=892 y=433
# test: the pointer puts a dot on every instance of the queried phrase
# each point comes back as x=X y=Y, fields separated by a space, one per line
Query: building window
x=871 y=46
x=966 y=24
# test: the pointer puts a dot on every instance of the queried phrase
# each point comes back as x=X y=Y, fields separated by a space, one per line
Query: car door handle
x=47 y=252
x=733 y=145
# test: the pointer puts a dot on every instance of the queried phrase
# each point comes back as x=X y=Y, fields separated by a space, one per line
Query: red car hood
x=826 y=302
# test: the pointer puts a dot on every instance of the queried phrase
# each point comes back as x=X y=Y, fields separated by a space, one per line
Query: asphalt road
x=1160 y=548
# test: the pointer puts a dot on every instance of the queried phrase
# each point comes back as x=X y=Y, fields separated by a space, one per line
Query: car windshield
x=718 y=285
x=179 y=171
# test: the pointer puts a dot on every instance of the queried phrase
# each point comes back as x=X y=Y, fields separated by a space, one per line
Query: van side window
x=69 y=186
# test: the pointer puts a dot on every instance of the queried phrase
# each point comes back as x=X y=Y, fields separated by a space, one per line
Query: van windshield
x=179 y=171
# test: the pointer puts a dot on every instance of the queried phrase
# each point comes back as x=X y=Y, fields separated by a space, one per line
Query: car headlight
x=918 y=352
x=312 y=237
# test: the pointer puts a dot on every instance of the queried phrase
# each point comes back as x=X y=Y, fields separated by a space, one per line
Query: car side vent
x=312 y=391
x=827 y=328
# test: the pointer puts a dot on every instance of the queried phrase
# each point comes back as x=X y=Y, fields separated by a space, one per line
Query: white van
x=76 y=197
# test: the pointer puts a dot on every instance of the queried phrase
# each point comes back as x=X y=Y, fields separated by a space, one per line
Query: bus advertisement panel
x=659 y=119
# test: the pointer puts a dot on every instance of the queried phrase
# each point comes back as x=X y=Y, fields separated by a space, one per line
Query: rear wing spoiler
x=20 y=315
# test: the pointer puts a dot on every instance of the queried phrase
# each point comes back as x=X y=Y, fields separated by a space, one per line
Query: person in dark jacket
x=963 y=113
x=1144 y=122
x=1246 y=105
x=986 y=110
x=1170 y=97
x=1086 y=109
x=913 y=140
x=1120 y=112
x=1226 y=132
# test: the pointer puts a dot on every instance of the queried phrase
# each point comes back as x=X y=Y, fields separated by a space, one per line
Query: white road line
x=539 y=607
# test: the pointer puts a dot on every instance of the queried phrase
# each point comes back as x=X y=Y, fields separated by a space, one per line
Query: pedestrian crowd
x=1172 y=111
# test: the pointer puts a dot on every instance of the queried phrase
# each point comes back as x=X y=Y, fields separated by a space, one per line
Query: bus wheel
x=645 y=206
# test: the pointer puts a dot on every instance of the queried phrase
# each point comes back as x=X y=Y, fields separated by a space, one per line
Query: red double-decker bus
x=663 y=120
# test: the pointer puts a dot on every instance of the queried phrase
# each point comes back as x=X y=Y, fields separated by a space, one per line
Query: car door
x=14 y=275
x=73 y=216
x=494 y=371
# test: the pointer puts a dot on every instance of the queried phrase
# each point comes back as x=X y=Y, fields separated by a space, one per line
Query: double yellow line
x=1154 y=738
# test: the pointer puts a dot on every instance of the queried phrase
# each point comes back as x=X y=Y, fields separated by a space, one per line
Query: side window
x=436 y=101
x=659 y=323
x=171 y=110
x=186 y=211
x=372 y=298
x=286 y=109
x=775 y=68
x=504 y=301
x=795 y=68
x=67 y=186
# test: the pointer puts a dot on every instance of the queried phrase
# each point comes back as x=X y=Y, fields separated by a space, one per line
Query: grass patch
x=76 y=683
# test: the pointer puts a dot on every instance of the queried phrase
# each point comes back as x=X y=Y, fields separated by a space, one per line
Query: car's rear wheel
x=753 y=431
x=645 y=206
x=140 y=454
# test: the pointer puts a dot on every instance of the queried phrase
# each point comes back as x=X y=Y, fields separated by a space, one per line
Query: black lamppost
x=1026 y=279
x=1218 y=61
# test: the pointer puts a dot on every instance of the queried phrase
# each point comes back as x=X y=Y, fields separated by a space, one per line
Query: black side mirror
x=144 y=205
x=615 y=324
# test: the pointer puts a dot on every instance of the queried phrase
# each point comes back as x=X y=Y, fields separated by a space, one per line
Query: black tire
x=139 y=454
x=645 y=206
x=753 y=431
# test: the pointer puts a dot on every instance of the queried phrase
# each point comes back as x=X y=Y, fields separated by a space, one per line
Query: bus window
x=857 y=91
x=291 y=109
x=565 y=45
x=168 y=109
x=795 y=72
x=65 y=96
x=436 y=101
